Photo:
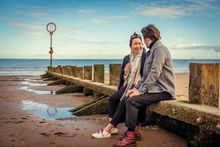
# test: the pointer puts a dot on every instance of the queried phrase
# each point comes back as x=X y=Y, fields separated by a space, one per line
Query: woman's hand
x=132 y=92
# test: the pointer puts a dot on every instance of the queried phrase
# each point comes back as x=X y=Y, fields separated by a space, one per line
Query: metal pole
x=51 y=48
x=51 y=27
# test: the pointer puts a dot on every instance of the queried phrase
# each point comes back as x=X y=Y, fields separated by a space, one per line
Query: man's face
x=147 y=41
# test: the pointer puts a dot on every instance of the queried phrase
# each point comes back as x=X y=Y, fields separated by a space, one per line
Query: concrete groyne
x=197 y=120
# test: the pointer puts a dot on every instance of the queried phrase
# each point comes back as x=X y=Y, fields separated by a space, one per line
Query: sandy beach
x=20 y=126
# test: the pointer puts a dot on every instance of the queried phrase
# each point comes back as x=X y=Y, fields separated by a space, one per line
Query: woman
x=131 y=73
x=157 y=83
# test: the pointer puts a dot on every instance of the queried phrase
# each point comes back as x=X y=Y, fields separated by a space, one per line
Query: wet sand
x=20 y=127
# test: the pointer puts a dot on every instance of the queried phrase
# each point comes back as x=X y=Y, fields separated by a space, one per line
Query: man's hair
x=151 y=32
x=135 y=35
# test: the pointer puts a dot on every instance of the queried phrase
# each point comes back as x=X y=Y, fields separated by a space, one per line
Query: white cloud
x=96 y=20
x=34 y=11
x=107 y=19
x=209 y=56
x=37 y=13
x=74 y=30
x=29 y=26
x=86 y=11
x=30 y=30
x=198 y=46
x=164 y=12
x=173 y=10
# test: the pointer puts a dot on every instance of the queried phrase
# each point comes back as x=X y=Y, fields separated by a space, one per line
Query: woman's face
x=136 y=46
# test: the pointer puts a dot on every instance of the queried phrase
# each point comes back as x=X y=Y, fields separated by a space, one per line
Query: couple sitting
x=146 y=78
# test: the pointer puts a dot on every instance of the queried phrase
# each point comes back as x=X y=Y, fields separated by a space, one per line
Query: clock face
x=51 y=27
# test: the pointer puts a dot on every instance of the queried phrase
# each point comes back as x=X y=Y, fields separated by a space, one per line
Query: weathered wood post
x=69 y=71
x=114 y=71
x=79 y=72
x=98 y=77
x=49 y=68
x=56 y=69
x=73 y=70
x=60 y=71
x=63 y=70
x=87 y=74
x=204 y=84
x=99 y=73
x=53 y=69
x=66 y=70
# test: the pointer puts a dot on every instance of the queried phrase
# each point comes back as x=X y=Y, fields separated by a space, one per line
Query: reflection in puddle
x=32 y=84
x=37 y=91
x=46 y=112
x=34 y=80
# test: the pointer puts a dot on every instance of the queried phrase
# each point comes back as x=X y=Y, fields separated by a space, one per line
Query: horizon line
x=100 y=59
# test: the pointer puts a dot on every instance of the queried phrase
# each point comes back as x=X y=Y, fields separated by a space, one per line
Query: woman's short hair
x=135 y=35
x=151 y=32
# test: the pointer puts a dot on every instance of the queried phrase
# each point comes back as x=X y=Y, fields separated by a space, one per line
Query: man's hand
x=132 y=92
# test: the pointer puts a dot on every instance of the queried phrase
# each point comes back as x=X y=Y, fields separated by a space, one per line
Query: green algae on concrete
x=99 y=73
x=99 y=107
x=97 y=95
x=87 y=92
x=86 y=104
x=45 y=76
x=51 y=78
x=58 y=82
x=115 y=70
x=204 y=84
x=70 y=89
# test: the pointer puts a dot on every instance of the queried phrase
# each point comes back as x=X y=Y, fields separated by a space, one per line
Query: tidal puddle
x=45 y=111
x=37 y=91
x=32 y=84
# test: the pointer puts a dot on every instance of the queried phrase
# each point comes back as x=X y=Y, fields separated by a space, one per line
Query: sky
x=100 y=29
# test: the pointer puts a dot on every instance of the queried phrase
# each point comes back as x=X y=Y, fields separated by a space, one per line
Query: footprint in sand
x=61 y=134
x=45 y=134
x=24 y=118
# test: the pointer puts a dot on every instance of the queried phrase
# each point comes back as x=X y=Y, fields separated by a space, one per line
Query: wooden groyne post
x=114 y=75
x=87 y=74
x=99 y=76
x=204 y=84
x=99 y=73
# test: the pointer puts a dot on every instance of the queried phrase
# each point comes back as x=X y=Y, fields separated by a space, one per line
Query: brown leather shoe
x=128 y=140
x=138 y=136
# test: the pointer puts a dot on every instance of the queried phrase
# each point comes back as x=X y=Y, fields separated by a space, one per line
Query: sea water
x=36 y=67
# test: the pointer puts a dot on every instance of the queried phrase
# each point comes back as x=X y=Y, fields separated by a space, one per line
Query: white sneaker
x=101 y=134
x=114 y=131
